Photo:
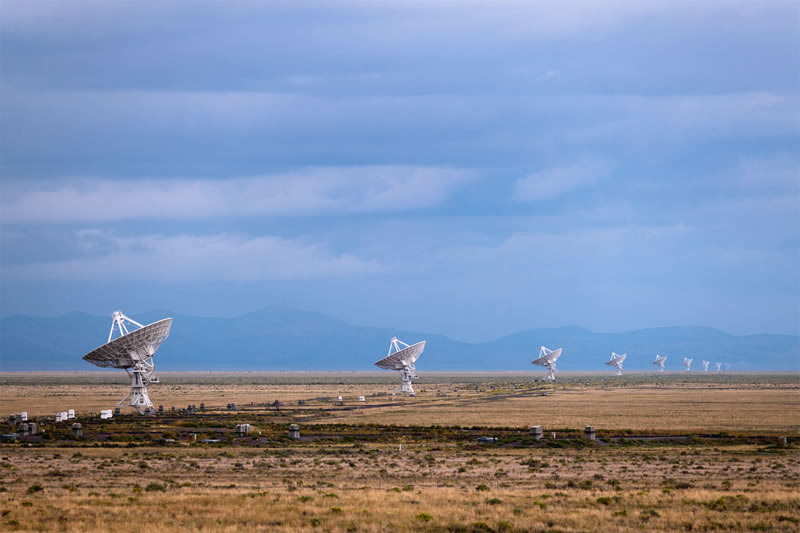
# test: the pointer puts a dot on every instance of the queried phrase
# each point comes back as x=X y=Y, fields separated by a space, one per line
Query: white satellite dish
x=402 y=357
x=705 y=365
x=133 y=351
x=547 y=358
x=687 y=363
x=616 y=361
x=659 y=362
x=718 y=366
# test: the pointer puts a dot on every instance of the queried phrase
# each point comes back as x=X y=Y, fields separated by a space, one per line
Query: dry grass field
x=756 y=404
x=674 y=453
x=381 y=488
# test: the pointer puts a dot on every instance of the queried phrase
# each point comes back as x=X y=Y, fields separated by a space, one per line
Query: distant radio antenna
x=727 y=366
x=616 y=361
x=718 y=367
x=402 y=357
x=705 y=365
x=132 y=350
x=547 y=358
x=659 y=362
x=687 y=363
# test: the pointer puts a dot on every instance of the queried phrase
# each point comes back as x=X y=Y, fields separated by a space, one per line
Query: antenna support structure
x=408 y=372
x=132 y=349
x=687 y=363
x=401 y=357
x=659 y=362
x=547 y=358
x=616 y=361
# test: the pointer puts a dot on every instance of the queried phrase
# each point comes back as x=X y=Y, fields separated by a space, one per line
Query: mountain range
x=283 y=338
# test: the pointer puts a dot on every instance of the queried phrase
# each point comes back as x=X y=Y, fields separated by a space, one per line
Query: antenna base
x=138 y=397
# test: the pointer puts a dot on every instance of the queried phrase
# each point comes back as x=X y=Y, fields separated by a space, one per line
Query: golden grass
x=373 y=489
x=755 y=408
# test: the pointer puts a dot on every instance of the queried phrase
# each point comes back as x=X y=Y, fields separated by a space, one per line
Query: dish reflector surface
x=616 y=360
x=547 y=358
x=402 y=359
x=125 y=351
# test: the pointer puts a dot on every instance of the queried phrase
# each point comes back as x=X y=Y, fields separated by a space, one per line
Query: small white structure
x=105 y=414
x=547 y=358
x=659 y=362
x=132 y=351
x=402 y=357
x=243 y=429
x=294 y=432
x=687 y=363
x=23 y=416
x=362 y=399
x=616 y=361
x=705 y=365
x=71 y=414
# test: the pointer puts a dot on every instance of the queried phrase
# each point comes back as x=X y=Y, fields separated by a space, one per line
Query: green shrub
x=425 y=517
x=36 y=487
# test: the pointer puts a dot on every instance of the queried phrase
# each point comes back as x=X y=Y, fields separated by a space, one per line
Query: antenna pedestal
x=138 y=397
x=405 y=387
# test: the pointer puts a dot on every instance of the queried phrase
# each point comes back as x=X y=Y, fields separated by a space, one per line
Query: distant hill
x=283 y=338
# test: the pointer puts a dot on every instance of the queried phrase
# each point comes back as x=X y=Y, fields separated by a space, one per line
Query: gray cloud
x=196 y=258
x=309 y=191
x=554 y=182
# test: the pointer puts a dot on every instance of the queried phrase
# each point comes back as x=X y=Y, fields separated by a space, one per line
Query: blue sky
x=467 y=168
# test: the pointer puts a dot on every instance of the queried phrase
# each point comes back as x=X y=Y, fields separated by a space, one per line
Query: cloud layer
x=302 y=192
x=483 y=167
x=188 y=258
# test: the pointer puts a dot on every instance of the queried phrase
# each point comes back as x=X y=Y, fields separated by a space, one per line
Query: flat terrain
x=673 y=453
x=738 y=403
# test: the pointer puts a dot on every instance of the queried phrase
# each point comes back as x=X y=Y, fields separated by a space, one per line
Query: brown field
x=715 y=468
x=755 y=404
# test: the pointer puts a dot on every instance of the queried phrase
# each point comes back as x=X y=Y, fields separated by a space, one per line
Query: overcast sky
x=466 y=168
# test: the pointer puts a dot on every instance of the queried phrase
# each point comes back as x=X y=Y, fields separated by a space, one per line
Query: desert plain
x=673 y=452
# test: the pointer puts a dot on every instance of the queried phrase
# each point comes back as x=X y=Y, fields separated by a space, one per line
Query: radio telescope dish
x=687 y=363
x=659 y=362
x=705 y=365
x=133 y=351
x=402 y=357
x=718 y=366
x=547 y=358
x=616 y=361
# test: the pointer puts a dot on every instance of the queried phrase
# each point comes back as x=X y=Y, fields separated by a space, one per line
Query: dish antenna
x=687 y=362
x=402 y=357
x=616 y=361
x=718 y=366
x=659 y=362
x=705 y=365
x=132 y=350
x=547 y=358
